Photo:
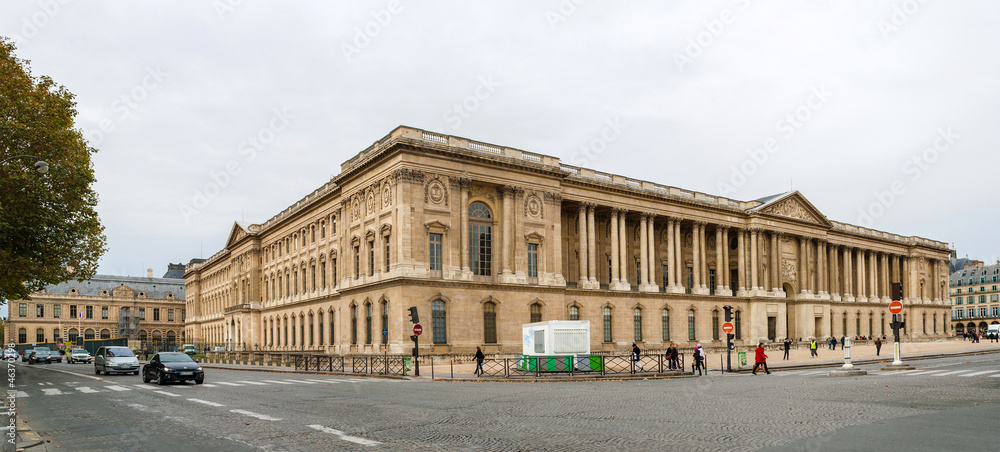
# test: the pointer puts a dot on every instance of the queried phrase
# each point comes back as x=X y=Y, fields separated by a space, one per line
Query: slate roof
x=151 y=287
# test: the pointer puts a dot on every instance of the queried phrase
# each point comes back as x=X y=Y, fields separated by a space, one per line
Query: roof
x=987 y=271
x=151 y=287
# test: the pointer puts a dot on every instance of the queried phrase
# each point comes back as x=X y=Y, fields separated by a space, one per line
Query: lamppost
x=40 y=166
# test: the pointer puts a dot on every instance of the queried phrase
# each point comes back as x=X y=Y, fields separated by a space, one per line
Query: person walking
x=635 y=356
x=833 y=343
x=878 y=347
x=760 y=359
x=812 y=348
x=479 y=361
x=787 y=345
x=699 y=359
x=671 y=357
x=675 y=363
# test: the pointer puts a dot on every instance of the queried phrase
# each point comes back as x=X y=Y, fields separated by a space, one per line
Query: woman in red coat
x=760 y=359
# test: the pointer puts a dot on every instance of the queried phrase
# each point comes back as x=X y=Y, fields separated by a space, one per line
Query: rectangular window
x=637 y=324
x=665 y=274
x=958 y=291
x=39 y=310
x=170 y=315
x=737 y=325
x=183 y=315
x=982 y=298
x=57 y=310
x=711 y=281
x=156 y=314
x=958 y=300
x=371 y=258
x=322 y=278
x=690 y=280
x=90 y=312
x=22 y=310
x=40 y=336
x=533 y=261
x=104 y=312
x=638 y=271
x=357 y=261
x=22 y=335
x=434 y=254
x=142 y=313
x=607 y=324
x=333 y=267
x=387 y=241
x=665 y=321
x=438 y=322
x=481 y=249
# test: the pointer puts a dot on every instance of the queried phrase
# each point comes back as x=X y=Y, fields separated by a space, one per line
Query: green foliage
x=49 y=229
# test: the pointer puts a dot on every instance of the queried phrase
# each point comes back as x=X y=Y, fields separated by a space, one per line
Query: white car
x=10 y=354
x=78 y=355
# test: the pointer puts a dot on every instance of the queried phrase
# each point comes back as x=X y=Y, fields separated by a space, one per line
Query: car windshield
x=120 y=352
x=78 y=351
x=175 y=358
x=41 y=349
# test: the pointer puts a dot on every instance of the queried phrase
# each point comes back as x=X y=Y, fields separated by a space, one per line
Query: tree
x=49 y=229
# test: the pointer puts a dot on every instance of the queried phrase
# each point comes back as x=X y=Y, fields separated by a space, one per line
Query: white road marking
x=262 y=417
x=18 y=394
x=973 y=374
x=86 y=390
x=950 y=373
x=353 y=439
x=326 y=381
x=182 y=385
x=254 y=383
x=794 y=372
x=145 y=386
x=51 y=391
x=277 y=382
x=206 y=402
x=902 y=372
x=208 y=385
x=301 y=381
x=816 y=372
x=229 y=384
x=118 y=388
x=927 y=372
x=991 y=376
x=167 y=393
x=68 y=372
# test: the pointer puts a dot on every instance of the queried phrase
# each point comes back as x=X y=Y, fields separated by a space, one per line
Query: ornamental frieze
x=791 y=209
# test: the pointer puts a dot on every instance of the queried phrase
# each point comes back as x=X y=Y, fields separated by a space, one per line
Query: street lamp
x=40 y=166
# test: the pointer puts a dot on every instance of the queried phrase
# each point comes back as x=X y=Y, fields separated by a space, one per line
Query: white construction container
x=556 y=337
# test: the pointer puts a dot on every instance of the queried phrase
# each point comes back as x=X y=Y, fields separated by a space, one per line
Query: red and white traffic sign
x=417 y=329
x=896 y=307
x=727 y=327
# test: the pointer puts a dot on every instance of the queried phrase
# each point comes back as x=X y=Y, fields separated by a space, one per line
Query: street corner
x=29 y=440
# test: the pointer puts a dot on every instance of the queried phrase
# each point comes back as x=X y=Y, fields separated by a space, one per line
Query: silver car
x=78 y=355
x=115 y=359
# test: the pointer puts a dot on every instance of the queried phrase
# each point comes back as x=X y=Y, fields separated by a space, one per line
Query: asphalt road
x=946 y=403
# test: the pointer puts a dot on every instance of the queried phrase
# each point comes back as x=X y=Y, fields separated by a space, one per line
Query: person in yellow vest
x=812 y=348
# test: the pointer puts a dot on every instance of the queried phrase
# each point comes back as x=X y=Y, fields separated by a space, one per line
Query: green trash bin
x=407 y=364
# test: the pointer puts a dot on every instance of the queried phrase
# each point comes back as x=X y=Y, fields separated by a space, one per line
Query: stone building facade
x=54 y=313
x=975 y=299
x=484 y=238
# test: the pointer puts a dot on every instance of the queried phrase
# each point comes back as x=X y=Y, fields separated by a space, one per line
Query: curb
x=28 y=440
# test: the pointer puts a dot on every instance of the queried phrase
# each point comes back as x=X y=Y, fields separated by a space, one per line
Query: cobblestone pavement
x=245 y=410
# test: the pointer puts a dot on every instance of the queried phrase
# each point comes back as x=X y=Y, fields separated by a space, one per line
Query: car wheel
x=199 y=381
x=145 y=377
x=135 y=373
x=159 y=379
x=97 y=370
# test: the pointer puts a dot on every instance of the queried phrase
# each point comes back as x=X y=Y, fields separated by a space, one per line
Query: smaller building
x=975 y=299
x=147 y=309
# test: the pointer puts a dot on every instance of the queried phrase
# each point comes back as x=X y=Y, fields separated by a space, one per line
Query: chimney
x=149 y=272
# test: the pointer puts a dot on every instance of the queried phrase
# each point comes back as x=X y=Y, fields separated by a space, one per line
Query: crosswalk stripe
x=86 y=390
x=277 y=382
x=18 y=394
x=144 y=386
x=950 y=373
x=229 y=384
x=254 y=383
x=51 y=391
x=207 y=385
x=263 y=417
x=206 y=402
x=927 y=372
x=325 y=381
x=973 y=374
x=785 y=373
x=817 y=372
x=167 y=393
x=995 y=376
x=902 y=372
x=302 y=381
x=118 y=388
x=182 y=386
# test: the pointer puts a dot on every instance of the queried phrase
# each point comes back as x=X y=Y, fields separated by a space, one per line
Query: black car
x=172 y=366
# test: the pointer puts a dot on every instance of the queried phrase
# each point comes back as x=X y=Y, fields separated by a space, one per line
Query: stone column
x=726 y=282
x=671 y=280
x=703 y=250
x=886 y=277
x=904 y=278
x=592 y=248
x=803 y=285
x=463 y=185
x=508 y=214
x=862 y=292
x=720 y=274
x=836 y=288
x=775 y=263
x=754 y=288
x=821 y=283
x=651 y=253
x=678 y=257
x=582 y=232
x=696 y=256
x=872 y=267
x=615 y=284
x=643 y=278
x=623 y=252
x=741 y=265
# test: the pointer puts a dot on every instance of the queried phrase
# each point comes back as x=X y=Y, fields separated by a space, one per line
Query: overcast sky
x=882 y=113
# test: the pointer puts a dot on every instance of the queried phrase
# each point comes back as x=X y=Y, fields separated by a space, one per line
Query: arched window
x=142 y=335
x=665 y=320
x=438 y=317
x=691 y=332
x=536 y=312
x=737 y=325
x=607 y=323
x=105 y=334
x=490 y=322
x=332 y=331
x=715 y=324
x=88 y=334
x=637 y=323
x=22 y=335
x=368 y=323
x=480 y=239
x=574 y=313
x=354 y=325
x=40 y=335
x=385 y=321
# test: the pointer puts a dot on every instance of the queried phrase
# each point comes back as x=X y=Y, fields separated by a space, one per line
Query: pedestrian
x=698 y=357
x=878 y=347
x=843 y=342
x=669 y=356
x=833 y=343
x=787 y=345
x=635 y=356
x=479 y=361
x=675 y=358
x=812 y=348
x=760 y=359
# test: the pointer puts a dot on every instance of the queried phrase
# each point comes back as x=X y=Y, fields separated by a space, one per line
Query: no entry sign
x=417 y=329
x=727 y=327
x=895 y=307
